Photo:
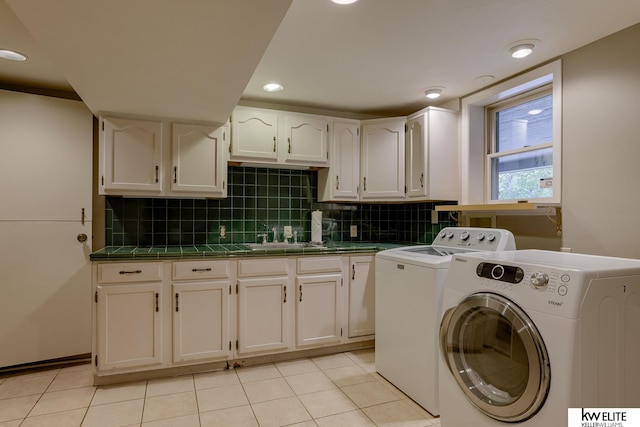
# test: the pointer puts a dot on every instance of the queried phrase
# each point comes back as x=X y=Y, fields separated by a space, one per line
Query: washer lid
x=497 y=356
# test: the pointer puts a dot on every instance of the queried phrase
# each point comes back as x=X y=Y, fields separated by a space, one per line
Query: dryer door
x=497 y=356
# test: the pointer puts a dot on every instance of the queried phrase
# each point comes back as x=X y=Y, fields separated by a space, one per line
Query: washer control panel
x=483 y=239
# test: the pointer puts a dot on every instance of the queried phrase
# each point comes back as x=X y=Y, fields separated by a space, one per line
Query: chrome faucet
x=264 y=238
x=275 y=234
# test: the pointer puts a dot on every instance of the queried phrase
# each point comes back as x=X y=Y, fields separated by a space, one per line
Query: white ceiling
x=193 y=59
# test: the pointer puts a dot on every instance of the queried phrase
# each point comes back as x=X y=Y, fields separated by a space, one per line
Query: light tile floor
x=336 y=390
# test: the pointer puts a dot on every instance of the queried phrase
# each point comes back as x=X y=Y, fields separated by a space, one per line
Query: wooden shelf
x=493 y=207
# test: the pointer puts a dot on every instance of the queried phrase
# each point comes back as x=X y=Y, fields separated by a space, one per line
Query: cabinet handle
x=337 y=182
x=285 y=294
x=300 y=293
x=157 y=302
x=289 y=139
x=274 y=144
x=175 y=174
x=131 y=272
x=422 y=180
x=353 y=272
x=157 y=172
x=365 y=184
x=177 y=302
x=197 y=270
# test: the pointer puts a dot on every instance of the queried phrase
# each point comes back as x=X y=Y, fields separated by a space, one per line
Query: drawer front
x=319 y=264
x=130 y=272
x=201 y=270
x=263 y=267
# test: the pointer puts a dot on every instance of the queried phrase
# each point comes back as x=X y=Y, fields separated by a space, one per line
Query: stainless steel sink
x=283 y=245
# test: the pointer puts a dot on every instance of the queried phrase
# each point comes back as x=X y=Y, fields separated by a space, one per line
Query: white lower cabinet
x=128 y=299
x=361 y=296
x=201 y=311
x=158 y=314
x=318 y=301
x=264 y=292
x=129 y=326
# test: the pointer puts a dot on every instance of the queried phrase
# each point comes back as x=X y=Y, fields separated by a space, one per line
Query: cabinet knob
x=82 y=237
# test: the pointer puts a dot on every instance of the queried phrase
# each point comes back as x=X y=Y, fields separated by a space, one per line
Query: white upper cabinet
x=278 y=137
x=306 y=139
x=142 y=158
x=254 y=135
x=131 y=156
x=382 y=159
x=432 y=155
x=198 y=156
x=340 y=181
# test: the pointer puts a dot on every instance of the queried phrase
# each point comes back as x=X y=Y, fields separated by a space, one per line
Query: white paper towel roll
x=316 y=227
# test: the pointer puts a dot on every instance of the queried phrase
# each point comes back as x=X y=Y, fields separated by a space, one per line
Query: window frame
x=474 y=131
x=492 y=143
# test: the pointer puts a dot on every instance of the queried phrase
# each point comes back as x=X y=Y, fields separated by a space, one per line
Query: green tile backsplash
x=258 y=199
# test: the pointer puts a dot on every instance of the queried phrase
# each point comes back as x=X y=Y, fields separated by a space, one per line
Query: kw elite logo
x=604 y=417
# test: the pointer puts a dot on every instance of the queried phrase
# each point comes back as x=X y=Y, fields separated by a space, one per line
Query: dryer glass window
x=497 y=356
x=494 y=357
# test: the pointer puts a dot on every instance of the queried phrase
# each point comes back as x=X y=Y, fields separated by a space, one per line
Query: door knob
x=82 y=237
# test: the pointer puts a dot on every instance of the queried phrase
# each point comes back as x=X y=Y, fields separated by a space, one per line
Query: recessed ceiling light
x=273 y=87
x=522 y=48
x=433 y=93
x=535 y=111
x=521 y=51
x=344 y=1
x=12 y=55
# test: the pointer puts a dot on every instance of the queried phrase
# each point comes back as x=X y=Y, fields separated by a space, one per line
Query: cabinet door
x=340 y=181
x=201 y=321
x=129 y=325
x=361 y=296
x=306 y=139
x=198 y=159
x=254 y=134
x=416 y=158
x=318 y=309
x=132 y=151
x=382 y=159
x=262 y=314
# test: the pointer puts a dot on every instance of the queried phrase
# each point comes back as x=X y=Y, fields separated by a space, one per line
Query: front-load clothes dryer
x=526 y=335
x=409 y=283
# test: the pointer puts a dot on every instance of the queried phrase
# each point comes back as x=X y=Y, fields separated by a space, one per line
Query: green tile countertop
x=120 y=253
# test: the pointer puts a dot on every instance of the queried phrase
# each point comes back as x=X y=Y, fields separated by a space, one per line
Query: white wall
x=601 y=146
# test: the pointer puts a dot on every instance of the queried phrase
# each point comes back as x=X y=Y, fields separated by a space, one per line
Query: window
x=520 y=156
x=511 y=140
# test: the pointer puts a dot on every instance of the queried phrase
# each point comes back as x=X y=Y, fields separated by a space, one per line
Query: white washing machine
x=409 y=285
x=528 y=334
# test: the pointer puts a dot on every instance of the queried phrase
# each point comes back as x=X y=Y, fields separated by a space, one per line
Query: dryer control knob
x=464 y=235
x=480 y=237
x=450 y=235
x=539 y=279
x=491 y=237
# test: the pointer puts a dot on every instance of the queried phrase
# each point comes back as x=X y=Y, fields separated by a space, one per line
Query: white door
x=362 y=296
x=318 y=309
x=382 y=159
x=262 y=314
x=306 y=139
x=132 y=155
x=201 y=321
x=198 y=160
x=129 y=325
x=45 y=193
x=254 y=134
